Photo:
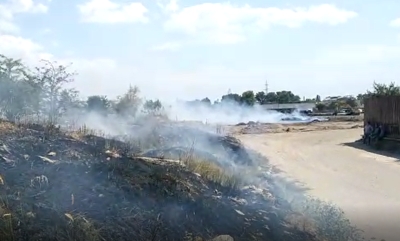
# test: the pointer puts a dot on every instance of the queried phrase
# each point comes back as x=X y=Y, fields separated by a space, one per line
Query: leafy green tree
x=362 y=97
x=287 y=97
x=129 y=103
x=320 y=106
x=15 y=103
x=260 y=97
x=98 y=103
x=351 y=102
x=206 y=101
x=217 y=102
x=248 y=98
x=334 y=105
x=69 y=99
x=152 y=107
x=18 y=91
x=271 y=97
x=231 y=98
x=383 y=89
x=380 y=90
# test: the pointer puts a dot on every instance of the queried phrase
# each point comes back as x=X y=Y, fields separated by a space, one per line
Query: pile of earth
x=74 y=186
x=258 y=128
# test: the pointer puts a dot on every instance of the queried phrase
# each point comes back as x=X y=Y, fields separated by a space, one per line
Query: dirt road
x=364 y=184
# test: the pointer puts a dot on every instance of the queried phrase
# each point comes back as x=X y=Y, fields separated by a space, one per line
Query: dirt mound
x=261 y=128
x=178 y=139
x=57 y=186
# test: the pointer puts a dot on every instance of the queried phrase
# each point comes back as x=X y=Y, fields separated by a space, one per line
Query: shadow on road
x=384 y=152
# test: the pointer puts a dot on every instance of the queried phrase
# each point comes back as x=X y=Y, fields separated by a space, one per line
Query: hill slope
x=58 y=185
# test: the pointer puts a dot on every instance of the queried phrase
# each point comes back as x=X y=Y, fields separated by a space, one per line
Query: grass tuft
x=209 y=170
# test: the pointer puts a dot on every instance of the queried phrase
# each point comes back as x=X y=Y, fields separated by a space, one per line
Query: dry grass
x=83 y=131
x=193 y=163
x=6 y=126
x=6 y=221
x=80 y=228
x=196 y=164
x=73 y=227
x=209 y=170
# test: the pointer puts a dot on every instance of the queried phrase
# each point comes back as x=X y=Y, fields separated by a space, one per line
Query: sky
x=192 y=49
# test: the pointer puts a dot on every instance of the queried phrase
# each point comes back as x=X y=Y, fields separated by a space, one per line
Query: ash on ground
x=78 y=186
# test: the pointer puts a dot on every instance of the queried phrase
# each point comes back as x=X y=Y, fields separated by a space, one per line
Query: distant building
x=332 y=98
x=290 y=107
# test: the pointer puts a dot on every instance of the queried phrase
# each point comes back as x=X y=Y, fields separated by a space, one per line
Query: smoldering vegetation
x=122 y=170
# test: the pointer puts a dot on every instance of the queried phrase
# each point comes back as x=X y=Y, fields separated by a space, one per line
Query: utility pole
x=266 y=87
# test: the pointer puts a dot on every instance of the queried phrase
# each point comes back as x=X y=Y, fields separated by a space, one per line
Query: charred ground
x=59 y=185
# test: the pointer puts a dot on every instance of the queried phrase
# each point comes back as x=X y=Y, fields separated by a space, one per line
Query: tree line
x=378 y=89
x=42 y=92
x=250 y=98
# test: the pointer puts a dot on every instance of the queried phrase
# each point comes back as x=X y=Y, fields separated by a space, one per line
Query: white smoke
x=229 y=114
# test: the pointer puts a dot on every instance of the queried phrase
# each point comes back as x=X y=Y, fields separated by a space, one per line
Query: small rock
x=222 y=238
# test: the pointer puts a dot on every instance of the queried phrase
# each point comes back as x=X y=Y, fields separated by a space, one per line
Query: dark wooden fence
x=384 y=110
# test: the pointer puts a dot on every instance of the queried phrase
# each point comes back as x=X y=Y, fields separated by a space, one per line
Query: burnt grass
x=56 y=186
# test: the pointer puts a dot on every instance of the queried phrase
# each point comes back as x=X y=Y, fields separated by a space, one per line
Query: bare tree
x=52 y=79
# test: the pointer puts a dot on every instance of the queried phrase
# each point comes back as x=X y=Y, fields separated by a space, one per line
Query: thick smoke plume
x=229 y=113
x=133 y=166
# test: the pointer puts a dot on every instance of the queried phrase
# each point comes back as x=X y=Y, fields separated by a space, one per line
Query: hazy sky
x=193 y=49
